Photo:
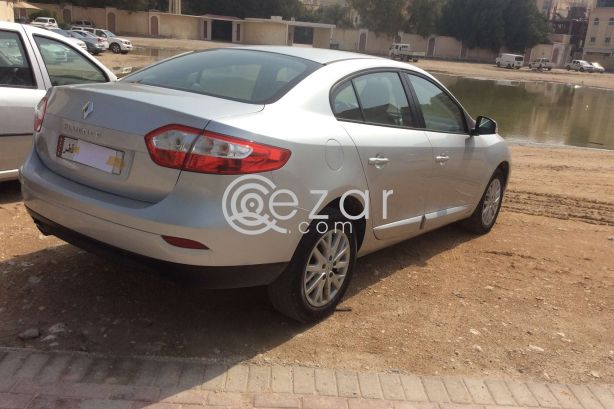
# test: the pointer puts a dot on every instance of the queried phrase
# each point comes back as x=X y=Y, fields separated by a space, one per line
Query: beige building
x=7 y=11
x=599 y=42
x=550 y=8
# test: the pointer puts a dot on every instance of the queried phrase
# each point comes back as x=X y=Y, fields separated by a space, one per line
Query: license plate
x=89 y=154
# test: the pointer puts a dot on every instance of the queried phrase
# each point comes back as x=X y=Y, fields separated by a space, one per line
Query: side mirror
x=484 y=126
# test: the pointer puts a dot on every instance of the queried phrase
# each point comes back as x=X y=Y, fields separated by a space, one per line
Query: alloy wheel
x=326 y=268
x=491 y=202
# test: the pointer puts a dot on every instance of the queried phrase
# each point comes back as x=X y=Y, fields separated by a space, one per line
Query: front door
x=395 y=156
x=458 y=160
x=21 y=88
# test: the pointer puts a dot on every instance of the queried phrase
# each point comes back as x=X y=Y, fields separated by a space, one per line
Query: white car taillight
x=171 y=146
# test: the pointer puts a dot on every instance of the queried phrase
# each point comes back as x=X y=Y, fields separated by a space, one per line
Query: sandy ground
x=532 y=299
x=436 y=66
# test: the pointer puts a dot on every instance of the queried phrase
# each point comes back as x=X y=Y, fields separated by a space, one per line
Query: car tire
x=530 y=67
x=499 y=64
x=116 y=48
x=581 y=69
x=485 y=215
x=568 y=68
x=290 y=292
x=509 y=66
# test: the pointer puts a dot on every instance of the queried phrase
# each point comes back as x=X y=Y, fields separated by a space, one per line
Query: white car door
x=21 y=87
x=459 y=159
x=396 y=157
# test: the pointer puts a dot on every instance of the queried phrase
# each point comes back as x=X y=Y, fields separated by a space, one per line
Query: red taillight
x=39 y=114
x=184 y=243
x=169 y=146
x=100 y=40
x=180 y=147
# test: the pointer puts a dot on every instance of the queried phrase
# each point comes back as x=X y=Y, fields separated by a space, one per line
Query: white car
x=598 y=67
x=45 y=22
x=580 y=65
x=75 y=41
x=32 y=60
x=116 y=44
x=282 y=178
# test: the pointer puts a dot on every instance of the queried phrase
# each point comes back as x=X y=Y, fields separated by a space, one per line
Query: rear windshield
x=242 y=75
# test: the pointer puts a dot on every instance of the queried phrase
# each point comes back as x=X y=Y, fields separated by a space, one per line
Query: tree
x=385 y=16
x=244 y=8
x=492 y=24
x=525 y=26
x=424 y=16
x=477 y=23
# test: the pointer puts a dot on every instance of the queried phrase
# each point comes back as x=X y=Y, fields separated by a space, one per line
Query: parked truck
x=403 y=52
x=541 y=64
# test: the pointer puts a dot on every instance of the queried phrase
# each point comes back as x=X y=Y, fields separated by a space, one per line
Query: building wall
x=321 y=37
x=127 y=22
x=264 y=33
x=179 y=26
x=6 y=11
x=599 y=42
x=447 y=47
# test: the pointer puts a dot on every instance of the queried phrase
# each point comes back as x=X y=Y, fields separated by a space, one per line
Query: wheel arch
x=353 y=206
x=504 y=167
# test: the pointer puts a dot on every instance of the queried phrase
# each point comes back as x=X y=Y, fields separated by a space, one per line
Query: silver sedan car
x=262 y=166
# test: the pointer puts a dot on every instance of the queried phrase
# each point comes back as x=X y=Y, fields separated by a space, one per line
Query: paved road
x=41 y=380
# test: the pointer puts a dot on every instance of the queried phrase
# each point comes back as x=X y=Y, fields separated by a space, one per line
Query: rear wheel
x=116 y=48
x=319 y=273
x=485 y=215
x=509 y=66
x=581 y=69
x=499 y=64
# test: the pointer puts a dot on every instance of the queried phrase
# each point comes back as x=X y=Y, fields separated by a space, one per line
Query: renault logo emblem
x=87 y=109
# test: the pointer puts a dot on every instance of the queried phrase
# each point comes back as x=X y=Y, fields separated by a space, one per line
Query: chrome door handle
x=442 y=159
x=378 y=162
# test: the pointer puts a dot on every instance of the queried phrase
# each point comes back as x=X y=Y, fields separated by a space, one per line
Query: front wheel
x=485 y=215
x=116 y=48
x=319 y=273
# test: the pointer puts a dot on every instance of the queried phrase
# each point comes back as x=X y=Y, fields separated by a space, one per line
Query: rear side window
x=65 y=65
x=383 y=100
x=242 y=75
x=519 y=58
x=15 y=69
x=345 y=104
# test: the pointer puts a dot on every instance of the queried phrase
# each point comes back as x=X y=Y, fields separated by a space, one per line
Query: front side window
x=243 y=75
x=440 y=112
x=15 y=69
x=65 y=65
x=345 y=103
x=383 y=100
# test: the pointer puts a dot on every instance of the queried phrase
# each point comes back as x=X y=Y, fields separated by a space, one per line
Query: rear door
x=458 y=161
x=395 y=155
x=21 y=87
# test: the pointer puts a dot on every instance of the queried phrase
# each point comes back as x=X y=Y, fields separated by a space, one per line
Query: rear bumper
x=209 y=277
x=134 y=227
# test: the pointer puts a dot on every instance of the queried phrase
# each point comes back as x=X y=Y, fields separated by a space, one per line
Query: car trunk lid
x=95 y=134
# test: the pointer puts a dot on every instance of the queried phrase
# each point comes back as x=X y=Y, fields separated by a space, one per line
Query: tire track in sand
x=559 y=206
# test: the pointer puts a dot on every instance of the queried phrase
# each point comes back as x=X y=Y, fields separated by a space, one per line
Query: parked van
x=510 y=61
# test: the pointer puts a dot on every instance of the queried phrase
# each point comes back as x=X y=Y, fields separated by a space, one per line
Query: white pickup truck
x=541 y=64
x=403 y=52
x=32 y=60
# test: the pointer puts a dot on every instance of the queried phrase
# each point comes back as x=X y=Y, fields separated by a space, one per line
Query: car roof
x=319 y=55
